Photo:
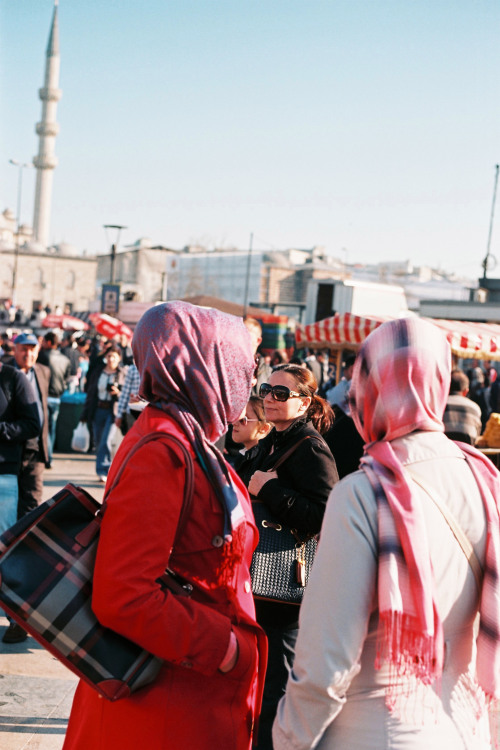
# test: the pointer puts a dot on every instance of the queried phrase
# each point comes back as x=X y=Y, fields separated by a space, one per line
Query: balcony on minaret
x=49 y=94
x=47 y=161
x=47 y=128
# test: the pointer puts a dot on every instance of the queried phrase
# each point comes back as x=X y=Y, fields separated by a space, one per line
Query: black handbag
x=282 y=561
x=46 y=567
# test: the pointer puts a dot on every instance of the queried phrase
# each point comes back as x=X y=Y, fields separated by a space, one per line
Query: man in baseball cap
x=26 y=338
x=36 y=451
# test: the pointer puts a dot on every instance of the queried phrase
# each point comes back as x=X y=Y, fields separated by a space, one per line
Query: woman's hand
x=259 y=479
x=229 y=661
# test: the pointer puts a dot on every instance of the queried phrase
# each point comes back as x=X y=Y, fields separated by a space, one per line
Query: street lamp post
x=20 y=166
x=247 y=277
x=118 y=228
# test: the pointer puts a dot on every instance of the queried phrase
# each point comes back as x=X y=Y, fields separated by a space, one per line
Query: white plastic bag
x=114 y=439
x=80 y=442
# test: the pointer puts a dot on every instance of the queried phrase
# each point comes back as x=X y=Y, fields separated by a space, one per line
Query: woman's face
x=112 y=360
x=283 y=413
x=250 y=433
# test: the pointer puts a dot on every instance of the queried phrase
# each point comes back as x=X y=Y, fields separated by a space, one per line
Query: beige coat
x=335 y=698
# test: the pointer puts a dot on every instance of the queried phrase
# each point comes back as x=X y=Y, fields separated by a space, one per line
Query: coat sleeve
x=24 y=422
x=334 y=619
x=137 y=534
x=299 y=496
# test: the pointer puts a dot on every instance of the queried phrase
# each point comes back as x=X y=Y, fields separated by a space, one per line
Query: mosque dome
x=36 y=247
x=7 y=219
x=67 y=249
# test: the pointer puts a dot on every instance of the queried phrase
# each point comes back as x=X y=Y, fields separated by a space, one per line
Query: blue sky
x=371 y=127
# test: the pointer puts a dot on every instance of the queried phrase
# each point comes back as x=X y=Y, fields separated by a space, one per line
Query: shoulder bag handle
x=458 y=533
x=188 y=487
x=289 y=452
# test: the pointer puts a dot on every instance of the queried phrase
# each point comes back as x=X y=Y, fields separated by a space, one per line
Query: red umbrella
x=108 y=326
x=66 y=322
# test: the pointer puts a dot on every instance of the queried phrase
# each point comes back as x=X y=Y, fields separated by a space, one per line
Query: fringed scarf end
x=411 y=657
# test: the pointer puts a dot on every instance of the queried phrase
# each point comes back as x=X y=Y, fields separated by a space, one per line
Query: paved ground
x=36 y=690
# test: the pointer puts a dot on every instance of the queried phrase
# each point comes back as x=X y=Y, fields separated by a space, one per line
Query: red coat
x=191 y=705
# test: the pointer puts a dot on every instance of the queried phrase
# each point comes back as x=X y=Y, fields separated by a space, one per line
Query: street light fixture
x=118 y=227
x=20 y=166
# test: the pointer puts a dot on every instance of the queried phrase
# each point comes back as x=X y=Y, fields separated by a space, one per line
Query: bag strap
x=289 y=452
x=188 y=487
x=456 y=529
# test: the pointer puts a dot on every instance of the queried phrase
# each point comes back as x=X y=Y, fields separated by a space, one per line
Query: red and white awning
x=342 y=330
x=468 y=340
x=471 y=340
x=109 y=326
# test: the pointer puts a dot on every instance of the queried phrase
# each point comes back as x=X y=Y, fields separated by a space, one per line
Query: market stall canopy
x=108 y=326
x=346 y=331
x=65 y=322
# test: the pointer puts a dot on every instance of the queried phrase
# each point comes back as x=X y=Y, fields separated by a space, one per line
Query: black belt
x=105 y=404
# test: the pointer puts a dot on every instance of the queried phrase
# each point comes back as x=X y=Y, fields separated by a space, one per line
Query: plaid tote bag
x=46 y=567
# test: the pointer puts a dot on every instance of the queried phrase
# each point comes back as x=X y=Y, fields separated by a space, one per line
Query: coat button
x=217 y=541
x=247 y=587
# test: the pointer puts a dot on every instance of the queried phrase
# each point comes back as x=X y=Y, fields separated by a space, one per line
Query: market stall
x=346 y=331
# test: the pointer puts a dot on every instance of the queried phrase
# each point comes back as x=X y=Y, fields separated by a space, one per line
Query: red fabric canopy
x=468 y=340
x=108 y=326
x=66 y=322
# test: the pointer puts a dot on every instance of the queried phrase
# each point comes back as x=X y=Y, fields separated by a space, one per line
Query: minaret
x=47 y=129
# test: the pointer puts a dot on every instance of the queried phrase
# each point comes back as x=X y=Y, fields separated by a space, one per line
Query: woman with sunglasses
x=296 y=494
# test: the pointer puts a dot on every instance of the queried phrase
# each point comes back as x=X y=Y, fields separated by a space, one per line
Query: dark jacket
x=41 y=441
x=298 y=496
x=243 y=463
x=91 y=401
x=60 y=370
x=345 y=443
x=18 y=417
x=74 y=358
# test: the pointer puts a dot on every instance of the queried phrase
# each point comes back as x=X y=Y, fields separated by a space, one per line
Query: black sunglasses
x=279 y=392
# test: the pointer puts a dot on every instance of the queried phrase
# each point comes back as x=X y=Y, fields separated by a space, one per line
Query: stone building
x=273 y=280
x=57 y=278
x=140 y=270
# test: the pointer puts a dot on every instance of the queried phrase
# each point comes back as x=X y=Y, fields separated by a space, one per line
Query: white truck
x=325 y=297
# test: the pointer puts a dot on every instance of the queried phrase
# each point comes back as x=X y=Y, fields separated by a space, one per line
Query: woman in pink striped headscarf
x=390 y=652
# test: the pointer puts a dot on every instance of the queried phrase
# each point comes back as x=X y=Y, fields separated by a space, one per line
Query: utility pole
x=247 y=279
x=20 y=166
x=488 y=256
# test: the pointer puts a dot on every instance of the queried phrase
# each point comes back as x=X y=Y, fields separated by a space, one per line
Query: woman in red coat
x=196 y=368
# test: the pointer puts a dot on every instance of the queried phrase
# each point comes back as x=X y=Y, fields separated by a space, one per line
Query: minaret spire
x=47 y=129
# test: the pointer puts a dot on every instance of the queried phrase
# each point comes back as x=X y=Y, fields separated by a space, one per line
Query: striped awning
x=347 y=331
x=342 y=330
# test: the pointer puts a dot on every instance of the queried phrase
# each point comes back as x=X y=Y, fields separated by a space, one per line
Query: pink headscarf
x=400 y=384
x=196 y=364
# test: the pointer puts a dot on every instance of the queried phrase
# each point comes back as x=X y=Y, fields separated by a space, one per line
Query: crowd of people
x=395 y=639
x=35 y=373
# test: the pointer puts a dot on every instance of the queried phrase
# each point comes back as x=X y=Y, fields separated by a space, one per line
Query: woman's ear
x=305 y=404
x=264 y=429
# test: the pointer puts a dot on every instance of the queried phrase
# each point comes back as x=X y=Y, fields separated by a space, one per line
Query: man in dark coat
x=36 y=450
x=19 y=421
